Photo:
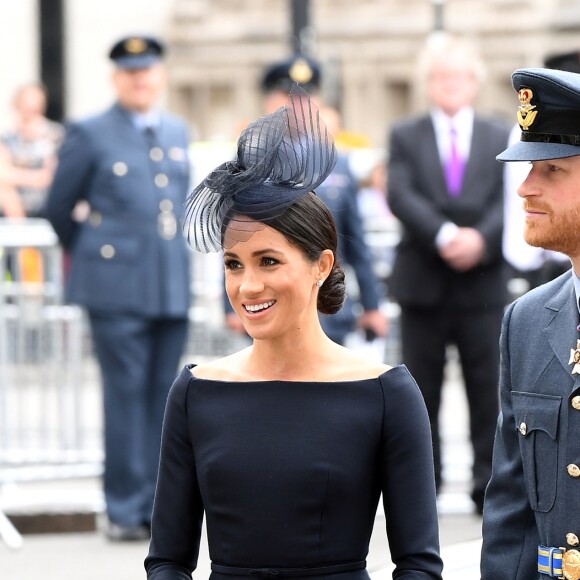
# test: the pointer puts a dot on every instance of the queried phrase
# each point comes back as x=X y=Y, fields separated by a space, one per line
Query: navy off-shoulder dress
x=289 y=474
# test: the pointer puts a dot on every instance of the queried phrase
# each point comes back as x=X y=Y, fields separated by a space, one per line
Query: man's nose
x=529 y=186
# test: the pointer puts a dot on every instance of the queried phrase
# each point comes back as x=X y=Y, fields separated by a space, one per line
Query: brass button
x=572 y=539
x=156 y=154
x=576 y=402
x=573 y=470
x=161 y=180
x=107 y=251
x=570 y=564
x=523 y=428
x=177 y=154
x=120 y=169
x=95 y=219
x=166 y=205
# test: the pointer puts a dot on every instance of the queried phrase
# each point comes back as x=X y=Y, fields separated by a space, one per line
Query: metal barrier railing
x=50 y=400
x=44 y=431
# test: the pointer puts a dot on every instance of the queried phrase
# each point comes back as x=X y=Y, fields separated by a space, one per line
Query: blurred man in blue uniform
x=129 y=267
x=339 y=193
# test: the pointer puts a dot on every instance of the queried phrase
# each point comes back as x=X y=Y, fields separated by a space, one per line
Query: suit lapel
x=431 y=155
x=561 y=329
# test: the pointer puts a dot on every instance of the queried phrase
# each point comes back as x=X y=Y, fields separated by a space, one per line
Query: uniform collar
x=149 y=120
x=576 y=281
x=141 y=121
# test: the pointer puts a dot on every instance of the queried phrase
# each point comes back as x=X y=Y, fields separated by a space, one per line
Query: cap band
x=549 y=138
x=555 y=122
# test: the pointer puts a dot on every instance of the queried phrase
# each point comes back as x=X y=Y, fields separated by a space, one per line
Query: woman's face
x=270 y=284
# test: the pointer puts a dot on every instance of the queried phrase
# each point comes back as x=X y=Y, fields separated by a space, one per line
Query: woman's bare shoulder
x=353 y=366
x=222 y=369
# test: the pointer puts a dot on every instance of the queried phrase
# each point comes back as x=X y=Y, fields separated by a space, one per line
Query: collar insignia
x=575 y=358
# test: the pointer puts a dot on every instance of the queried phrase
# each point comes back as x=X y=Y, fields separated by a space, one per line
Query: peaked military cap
x=299 y=68
x=548 y=115
x=133 y=52
x=569 y=61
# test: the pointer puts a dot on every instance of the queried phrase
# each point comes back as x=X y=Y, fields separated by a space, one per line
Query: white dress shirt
x=462 y=122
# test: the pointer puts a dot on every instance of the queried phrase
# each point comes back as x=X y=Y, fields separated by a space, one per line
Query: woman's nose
x=251 y=284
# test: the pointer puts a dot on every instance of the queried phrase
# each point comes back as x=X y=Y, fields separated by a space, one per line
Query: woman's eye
x=232 y=265
x=269 y=261
x=553 y=168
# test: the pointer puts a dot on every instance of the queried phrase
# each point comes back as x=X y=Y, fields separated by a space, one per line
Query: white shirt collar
x=462 y=121
x=463 y=124
x=147 y=120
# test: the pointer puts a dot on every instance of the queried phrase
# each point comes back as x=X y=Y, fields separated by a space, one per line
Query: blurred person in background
x=129 y=267
x=28 y=154
x=370 y=170
x=380 y=225
x=338 y=192
x=446 y=188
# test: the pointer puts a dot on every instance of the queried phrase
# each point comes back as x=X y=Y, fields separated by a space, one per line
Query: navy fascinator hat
x=280 y=158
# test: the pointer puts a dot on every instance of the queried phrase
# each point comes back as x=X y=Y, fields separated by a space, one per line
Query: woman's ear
x=325 y=263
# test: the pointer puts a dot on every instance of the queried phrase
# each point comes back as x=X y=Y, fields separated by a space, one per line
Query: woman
x=287 y=445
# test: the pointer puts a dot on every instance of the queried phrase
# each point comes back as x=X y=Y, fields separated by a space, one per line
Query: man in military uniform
x=531 y=520
x=129 y=266
x=338 y=192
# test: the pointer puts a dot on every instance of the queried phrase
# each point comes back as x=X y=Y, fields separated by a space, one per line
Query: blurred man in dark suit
x=446 y=188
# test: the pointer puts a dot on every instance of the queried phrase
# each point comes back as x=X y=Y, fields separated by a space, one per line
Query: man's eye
x=553 y=167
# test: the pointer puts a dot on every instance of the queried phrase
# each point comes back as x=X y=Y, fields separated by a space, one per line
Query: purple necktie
x=454 y=167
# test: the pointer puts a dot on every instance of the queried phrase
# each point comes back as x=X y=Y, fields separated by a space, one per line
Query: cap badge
x=135 y=45
x=300 y=71
x=526 y=113
x=575 y=359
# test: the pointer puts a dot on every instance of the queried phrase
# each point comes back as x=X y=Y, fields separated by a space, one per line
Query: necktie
x=454 y=166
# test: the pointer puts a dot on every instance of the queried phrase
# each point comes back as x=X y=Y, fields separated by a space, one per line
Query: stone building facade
x=368 y=50
x=218 y=49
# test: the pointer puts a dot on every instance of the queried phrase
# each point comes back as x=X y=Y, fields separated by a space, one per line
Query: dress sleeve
x=408 y=481
x=510 y=537
x=178 y=507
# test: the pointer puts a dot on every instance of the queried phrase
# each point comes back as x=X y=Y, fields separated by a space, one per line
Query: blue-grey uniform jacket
x=534 y=493
x=129 y=255
x=338 y=192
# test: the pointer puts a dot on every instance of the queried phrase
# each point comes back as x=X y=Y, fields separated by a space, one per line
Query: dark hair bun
x=333 y=292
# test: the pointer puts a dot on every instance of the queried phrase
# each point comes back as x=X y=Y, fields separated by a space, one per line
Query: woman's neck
x=289 y=358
